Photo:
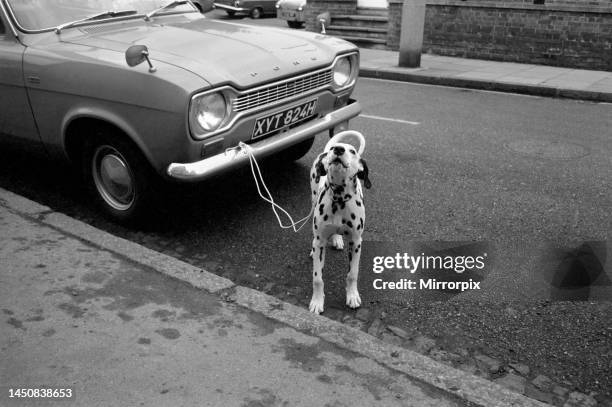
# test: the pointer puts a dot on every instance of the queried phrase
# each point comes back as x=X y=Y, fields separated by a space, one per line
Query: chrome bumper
x=231 y=8
x=233 y=158
x=299 y=16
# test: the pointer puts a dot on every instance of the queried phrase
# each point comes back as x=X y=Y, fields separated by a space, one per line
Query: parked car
x=253 y=8
x=139 y=93
x=292 y=11
x=203 y=5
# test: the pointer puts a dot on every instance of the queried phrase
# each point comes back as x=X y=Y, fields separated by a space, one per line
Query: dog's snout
x=338 y=150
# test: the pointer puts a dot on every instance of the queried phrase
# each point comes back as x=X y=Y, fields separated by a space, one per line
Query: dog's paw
x=316 y=305
x=353 y=299
x=337 y=242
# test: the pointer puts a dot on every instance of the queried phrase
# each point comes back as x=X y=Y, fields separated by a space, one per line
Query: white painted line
x=388 y=119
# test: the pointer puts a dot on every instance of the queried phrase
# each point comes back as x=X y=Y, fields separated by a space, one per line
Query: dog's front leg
x=353 y=299
x=318 y=260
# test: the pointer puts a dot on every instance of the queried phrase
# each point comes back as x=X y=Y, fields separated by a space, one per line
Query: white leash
x=256 y=171
x=347 y=133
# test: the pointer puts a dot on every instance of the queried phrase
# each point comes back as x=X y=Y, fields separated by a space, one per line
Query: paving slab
x=117 y=333
x=88 y=311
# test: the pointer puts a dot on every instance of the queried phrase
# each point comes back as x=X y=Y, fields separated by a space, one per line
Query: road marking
x=388 y=119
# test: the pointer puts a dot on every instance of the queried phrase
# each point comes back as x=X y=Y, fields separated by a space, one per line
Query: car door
x=270 y=6
x=16 y=118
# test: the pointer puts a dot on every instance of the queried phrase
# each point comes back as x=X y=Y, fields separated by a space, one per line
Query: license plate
x=288 y=14
x=284 y=119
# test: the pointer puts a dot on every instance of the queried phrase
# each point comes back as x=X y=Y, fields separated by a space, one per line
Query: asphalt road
x=524 y=180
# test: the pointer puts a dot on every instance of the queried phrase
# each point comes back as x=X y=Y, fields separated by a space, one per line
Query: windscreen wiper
x=98 y=16
x=172 y=4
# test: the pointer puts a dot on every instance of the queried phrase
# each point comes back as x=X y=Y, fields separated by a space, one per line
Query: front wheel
x=118 y=177
x=256 y=13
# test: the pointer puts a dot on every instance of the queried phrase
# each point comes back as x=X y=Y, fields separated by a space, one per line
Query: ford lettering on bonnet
x=139 y=92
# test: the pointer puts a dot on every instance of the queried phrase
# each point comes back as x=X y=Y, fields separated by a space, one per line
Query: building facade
x=568 y=33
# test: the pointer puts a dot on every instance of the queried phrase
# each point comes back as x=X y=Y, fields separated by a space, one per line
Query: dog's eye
x=353 y=151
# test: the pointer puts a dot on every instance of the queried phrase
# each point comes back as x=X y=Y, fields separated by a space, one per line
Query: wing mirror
x=323 y=19
x=137 y=54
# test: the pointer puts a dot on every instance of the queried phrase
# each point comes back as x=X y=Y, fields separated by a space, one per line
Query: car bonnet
x=220 y=52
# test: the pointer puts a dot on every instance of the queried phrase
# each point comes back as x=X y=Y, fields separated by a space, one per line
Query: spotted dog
x=337 y=198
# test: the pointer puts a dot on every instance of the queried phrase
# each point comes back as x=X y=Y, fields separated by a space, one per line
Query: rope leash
x=258 y=177
x=256 y=171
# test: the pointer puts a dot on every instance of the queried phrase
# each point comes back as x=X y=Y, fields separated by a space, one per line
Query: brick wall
x=570 y=33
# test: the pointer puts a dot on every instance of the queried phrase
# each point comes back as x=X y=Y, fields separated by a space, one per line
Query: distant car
x=253 y=8
x=133 y=93
x=292 y=11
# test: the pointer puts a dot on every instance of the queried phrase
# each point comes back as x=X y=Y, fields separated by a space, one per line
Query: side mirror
x=323 y=19
x=136 y=55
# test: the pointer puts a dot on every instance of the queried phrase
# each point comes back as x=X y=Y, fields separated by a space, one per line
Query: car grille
x=282 y=90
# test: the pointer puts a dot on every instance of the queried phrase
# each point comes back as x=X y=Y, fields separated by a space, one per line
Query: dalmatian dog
x=337 y=198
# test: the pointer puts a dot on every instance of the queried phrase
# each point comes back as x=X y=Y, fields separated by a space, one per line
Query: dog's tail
x=347 y=133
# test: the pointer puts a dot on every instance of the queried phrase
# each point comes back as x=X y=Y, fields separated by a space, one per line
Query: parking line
x=388 y=119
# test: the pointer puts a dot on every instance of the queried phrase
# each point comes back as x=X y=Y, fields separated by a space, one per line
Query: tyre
x=118 y=176
x=256 y=13
x=298 y=150
x=230 y=13
x=295 y=24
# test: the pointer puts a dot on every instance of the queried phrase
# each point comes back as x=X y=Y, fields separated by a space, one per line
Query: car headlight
x=208 y=112
x=342 y=72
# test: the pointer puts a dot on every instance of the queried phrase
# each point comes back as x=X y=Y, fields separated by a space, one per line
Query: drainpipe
x=411 y=34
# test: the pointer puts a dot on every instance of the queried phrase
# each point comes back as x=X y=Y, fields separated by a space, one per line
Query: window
x=1 y=27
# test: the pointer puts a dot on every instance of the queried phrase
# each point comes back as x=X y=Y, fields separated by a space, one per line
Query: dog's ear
x=363 y=174
x=319 y=167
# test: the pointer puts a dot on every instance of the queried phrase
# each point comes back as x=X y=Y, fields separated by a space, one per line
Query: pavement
x=120 y=324
x=528 y=79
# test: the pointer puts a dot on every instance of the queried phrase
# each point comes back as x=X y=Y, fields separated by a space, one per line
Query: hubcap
x=113 y=178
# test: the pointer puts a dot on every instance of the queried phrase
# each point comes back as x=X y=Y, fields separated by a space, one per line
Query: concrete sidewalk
x=529 y=79
x=122 y=325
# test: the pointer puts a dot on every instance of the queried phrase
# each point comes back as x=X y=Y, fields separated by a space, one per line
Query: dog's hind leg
x=318 y=260
x=353 y=299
